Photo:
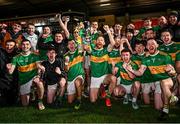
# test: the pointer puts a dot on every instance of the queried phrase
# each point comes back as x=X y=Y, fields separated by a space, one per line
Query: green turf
x=97 y=112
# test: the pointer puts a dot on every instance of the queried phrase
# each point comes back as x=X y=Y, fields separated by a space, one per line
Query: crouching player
x=54 y=76
x=128 y=85
x=75 y=73
x=147 y=83
x=27 y=64
x=99 y=69
x=161 y=70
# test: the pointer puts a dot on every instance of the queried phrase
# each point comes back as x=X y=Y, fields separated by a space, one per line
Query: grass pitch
x=88 y=113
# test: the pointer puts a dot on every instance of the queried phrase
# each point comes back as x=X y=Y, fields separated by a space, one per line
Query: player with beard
x=99 y=69
x=161 y=69
x=146 y=84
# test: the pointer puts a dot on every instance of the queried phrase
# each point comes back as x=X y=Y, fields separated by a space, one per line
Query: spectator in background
x=117 y=30
x=94 y=31
x=60 y=45
x=31 y=36
x=136 y=32
x=106 y=36
x=14 y=34
x=3 y=28
x=131 y=26
x=83 y=27
x=131 y=38
x=61 y=42
x=146 y=25
x=173 y=20
x=8 y=83
x=151 y=34
x=125 y=44
x=162 y=23
x=11 y=49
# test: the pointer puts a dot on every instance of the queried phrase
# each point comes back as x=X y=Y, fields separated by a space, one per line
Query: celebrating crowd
x=108 y=63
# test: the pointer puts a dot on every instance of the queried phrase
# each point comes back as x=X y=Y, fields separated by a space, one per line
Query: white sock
x=125 y=96
x=166 y=110
x=134 y=99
